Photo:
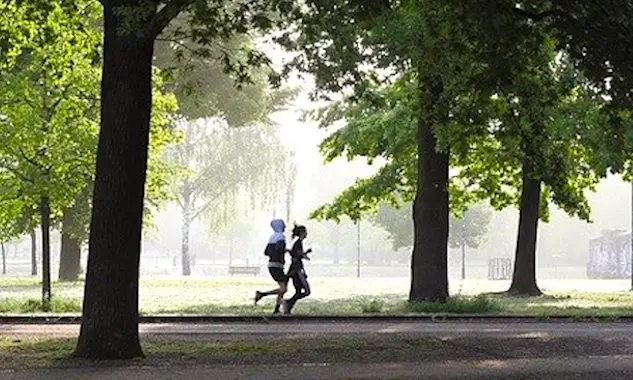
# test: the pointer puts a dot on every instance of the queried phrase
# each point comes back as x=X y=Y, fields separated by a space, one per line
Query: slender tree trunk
x=109 y=327
x=45 y=214
x=336 y=237
x=70 y=252
x=429 y=269
x=524 y=276
x=74 y=231
x=186 y=229
x=4 y=259
x=33 y=253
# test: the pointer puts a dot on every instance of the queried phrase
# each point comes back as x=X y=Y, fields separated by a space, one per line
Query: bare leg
x=280 y=296
x=259 y=295
x=302 y=290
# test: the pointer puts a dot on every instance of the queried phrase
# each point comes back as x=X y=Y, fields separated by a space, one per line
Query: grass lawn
x=332 y=296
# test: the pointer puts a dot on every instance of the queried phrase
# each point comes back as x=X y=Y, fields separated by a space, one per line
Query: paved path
x=611 y=368
x=465 y=350
x=283 y=329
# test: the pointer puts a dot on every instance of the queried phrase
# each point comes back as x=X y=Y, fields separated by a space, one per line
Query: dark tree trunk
x=109 y=327
x=74 y=231
x=45 y=214
x=429 y=277
x=4 y=259
x=524 y=276
x=70 y=254
x=33 y=253
x=186 y=228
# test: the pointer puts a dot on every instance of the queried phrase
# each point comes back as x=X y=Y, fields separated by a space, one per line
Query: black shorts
x=278 y=274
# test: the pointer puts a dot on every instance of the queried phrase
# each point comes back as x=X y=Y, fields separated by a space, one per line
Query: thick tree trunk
x=429 y=277
x=45 y=214
x=4 y=259
x=186 y=229
x=524 y=276
x=70 y=253
x=109 y=327
x=33 y=253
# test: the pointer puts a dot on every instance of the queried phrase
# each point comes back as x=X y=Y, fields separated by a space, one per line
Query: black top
x=276 y=252
x=297 y=254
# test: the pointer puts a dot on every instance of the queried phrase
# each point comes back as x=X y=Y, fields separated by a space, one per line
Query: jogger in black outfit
x=276 y=252
x=296 y=271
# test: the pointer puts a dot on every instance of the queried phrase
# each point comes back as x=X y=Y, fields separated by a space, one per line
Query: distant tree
x=469 y=230
x=223 y=164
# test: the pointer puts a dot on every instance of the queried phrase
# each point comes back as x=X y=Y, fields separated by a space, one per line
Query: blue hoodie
x=276 y=247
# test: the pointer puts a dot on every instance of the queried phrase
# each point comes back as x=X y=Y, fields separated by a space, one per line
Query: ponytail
x=297 y=230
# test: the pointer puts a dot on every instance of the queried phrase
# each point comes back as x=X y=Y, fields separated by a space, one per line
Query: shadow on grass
x=370 y=348
x=40 y=353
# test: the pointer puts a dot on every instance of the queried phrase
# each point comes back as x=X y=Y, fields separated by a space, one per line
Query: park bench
x=234 y=269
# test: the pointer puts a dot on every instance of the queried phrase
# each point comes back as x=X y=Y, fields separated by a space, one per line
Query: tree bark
x=4 y=259
x=33 y=253
x=429 y=269
x=70 y=253
x=186 y=229
x=109 y=327
x=45 y=215
x=524 y=276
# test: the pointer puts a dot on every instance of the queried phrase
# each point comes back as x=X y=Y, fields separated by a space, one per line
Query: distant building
x=610 y=255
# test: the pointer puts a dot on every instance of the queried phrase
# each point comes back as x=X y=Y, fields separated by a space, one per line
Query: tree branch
x=536 y=17
x=16 y=172
x=204 y=208
x=164 y=16
x=30 y=160
x=201 y=210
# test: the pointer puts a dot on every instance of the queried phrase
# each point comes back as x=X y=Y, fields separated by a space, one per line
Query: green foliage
x=204 y=89
x=49 y=124
x=49 y=115
x=595 y=36
x=570 y=150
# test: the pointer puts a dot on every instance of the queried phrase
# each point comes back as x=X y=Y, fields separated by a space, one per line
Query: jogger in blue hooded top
x=276 y=251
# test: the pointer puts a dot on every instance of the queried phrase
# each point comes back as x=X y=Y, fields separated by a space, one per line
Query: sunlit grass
x=330 y=296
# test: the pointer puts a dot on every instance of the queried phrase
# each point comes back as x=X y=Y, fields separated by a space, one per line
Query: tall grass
x=459 y=305
x=27 y=306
